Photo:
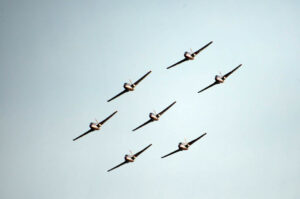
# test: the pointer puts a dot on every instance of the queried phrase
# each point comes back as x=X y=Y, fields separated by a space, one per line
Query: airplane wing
x=226 y=75
x=124 y=91
x=116 y=166
x=138 y=153
x=107 y=118
x=208 y=87
x=185 y=59
x=162 y=112
x=198 y=51
x=142 y=125
x=91 y=130
x=171 y=153
x=138 y=81
x=195 y=140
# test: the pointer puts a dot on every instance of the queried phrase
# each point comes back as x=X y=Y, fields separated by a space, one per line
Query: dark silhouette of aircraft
x=183 y=146
x=130 y=86
x=220 y=79
x=190 y=55
x=130 y=158
x=95 y=126
x=154 y=116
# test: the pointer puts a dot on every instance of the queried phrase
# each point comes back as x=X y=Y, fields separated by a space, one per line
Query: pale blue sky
x=61 y=60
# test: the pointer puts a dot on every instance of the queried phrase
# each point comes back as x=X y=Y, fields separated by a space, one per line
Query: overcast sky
x=61 y=60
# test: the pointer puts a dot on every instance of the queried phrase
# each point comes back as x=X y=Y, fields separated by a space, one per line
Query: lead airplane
x=154 y=116
x=95 y=126
x=130 y=86
x=190 y=55
x=220 y=79
x=129 y=158
x=183 y=146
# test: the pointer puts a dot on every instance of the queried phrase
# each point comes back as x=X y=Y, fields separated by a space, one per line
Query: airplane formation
x=182 y=146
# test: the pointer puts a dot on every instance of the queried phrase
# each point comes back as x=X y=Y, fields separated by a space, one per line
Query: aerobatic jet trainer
x=130 y=86
x=95 y=126
x=220 y=79
x=154 y=116
x=183 y=146
x=130 y=158
x=190 y=55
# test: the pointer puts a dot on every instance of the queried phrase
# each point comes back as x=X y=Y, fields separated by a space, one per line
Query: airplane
x=154 y=117
x=183 y=146
x=95 y=126
x=129 y=158
x=190 y=55
x=220 y=79
x=130 y=86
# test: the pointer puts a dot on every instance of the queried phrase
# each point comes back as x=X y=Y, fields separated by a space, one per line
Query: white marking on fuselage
x=183 y=146
x=219 y=79
x=129 y=87
x=129 y=158
x=188 y=56
x=154 y=116
x=95 y=126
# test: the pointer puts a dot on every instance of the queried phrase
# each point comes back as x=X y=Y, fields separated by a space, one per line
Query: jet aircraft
x=130 y=86
x=154 y=116
x=190 y=55
x=95 y=126
x=130 y=158
x=183 y=146
x=220 y=79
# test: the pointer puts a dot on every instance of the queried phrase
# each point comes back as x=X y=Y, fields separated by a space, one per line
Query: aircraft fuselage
x=129 y=158
x=154 y=117
x=219 y=79
x=95 y=126
x=129 y=87
x=188 y=56
x=183 y=146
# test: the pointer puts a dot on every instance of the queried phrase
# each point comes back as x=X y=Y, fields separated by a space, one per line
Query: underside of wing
x=171 y=153
x=185 y=59
x=108 y=118
x=116 y=166
x=83 y=134
x=138 y=81
x=207 y=87
x=198 y=51
x=162 y=112
x=124 y=91
x=138 y=153
x=195 y=140
x=142 y=125
x=226 y=75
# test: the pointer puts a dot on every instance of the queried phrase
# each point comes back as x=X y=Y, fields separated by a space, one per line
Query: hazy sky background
x=61 y=60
